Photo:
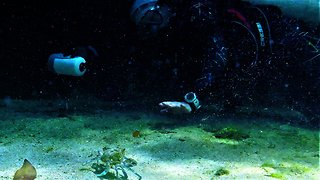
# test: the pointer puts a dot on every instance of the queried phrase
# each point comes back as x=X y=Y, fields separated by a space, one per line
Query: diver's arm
x=307 y=10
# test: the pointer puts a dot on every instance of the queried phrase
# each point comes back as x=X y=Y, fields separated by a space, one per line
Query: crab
x=112 y=164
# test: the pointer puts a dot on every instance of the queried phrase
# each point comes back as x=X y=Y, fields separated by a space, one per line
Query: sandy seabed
x=59 y=144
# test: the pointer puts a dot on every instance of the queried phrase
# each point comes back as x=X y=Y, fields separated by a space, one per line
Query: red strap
x=239 y=16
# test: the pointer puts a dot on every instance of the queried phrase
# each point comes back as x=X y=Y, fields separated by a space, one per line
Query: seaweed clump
x=279 y=171
x=230 y=133
x=222 y=171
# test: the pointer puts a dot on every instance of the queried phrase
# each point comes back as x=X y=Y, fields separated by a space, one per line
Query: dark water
x=131 y=66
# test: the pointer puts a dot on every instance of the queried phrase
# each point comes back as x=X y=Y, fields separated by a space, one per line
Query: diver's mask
x=150 y=16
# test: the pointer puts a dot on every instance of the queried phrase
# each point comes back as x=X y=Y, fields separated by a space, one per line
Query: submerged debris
x=26 y=172
x=136 y=133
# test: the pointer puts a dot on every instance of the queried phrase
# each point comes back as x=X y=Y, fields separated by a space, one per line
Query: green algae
x=277 y=175
x=49 y=149
x=221 y=172
x=268 y=164
x=281 y=170
x=230 y=133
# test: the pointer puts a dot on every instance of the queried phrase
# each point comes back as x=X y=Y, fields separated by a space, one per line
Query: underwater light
x=192 y=100
x=67 y=65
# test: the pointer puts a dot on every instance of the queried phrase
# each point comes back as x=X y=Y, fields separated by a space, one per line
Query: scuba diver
x=223 y=38
x=238 y=37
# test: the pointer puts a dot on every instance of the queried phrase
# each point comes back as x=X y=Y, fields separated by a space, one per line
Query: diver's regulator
x=193 y=101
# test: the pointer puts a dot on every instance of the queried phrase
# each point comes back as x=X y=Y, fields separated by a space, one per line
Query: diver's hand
x=175 y=107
